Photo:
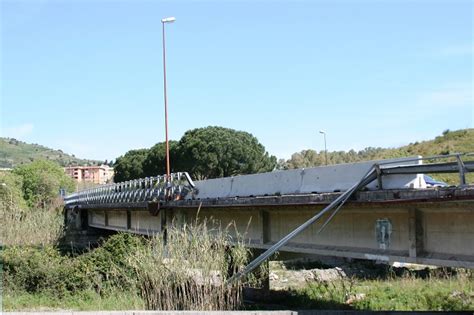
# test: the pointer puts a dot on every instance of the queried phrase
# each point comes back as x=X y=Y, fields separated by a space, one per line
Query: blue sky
x=86 y=76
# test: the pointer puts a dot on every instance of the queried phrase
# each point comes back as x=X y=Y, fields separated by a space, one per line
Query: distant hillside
x=449 y=142
x=14 y=152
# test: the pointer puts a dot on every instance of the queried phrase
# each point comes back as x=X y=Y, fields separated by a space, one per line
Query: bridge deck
x=387 y=196
x=428 y=226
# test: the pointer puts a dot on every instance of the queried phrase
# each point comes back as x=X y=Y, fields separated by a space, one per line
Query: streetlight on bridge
x=163 y=22
x=325 y=148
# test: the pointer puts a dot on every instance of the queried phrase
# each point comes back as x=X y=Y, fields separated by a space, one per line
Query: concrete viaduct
x=394 y=219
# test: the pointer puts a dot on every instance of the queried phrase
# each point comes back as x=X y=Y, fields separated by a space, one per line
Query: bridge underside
x=432 y=226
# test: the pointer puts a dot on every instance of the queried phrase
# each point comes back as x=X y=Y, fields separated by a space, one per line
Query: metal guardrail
x=449 y=167
x=460 y=166
x=149 y=189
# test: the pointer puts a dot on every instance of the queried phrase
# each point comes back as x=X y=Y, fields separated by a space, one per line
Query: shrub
x=41 y=182
x=187 y=272
x=32 y=269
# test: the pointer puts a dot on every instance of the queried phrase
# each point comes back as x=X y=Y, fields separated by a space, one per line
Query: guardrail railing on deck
x=141 y=190
x=159 y=189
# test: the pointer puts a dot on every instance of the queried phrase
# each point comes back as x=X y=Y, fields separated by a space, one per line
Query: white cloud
x=19 y=131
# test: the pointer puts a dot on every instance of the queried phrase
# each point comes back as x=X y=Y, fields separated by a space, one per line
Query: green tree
x=213 y=152
x=130 y=165
x=305 y=158
x=11 y=192
x=155 y=161
x=42 y=181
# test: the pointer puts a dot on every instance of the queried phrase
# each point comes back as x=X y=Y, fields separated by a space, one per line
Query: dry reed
x=30 y=226
x=190 y=270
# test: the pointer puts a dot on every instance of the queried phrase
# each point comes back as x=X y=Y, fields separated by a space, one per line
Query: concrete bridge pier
x=78 y=235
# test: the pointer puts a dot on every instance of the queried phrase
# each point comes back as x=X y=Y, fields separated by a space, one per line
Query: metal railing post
x=462 y=170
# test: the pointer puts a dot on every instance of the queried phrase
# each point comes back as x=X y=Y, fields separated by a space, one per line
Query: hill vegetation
x=450 y=142
x=14 y=153
x=216 y=152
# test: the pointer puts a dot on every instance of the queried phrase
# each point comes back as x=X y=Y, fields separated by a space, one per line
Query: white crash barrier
x=321 y=179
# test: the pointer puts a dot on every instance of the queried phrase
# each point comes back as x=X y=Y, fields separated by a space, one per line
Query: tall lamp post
x=163 y=22
x=325 y=147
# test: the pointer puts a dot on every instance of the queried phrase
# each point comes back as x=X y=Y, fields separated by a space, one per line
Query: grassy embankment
x=128 y=272
x=408 y=293
x=435 y=292
x=131 y=272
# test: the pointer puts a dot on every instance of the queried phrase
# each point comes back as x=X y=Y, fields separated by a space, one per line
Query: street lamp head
x=170 y=19
x=322 y=131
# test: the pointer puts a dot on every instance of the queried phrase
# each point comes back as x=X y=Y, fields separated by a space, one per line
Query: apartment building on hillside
x=100 y=175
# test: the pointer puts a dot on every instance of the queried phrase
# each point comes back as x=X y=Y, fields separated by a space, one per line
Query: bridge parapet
x=402 y=173
x=134 y=192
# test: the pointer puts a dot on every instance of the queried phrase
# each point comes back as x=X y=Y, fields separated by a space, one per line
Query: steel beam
x=450 y=167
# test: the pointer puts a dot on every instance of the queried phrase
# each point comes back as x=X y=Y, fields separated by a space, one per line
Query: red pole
x=168 y=176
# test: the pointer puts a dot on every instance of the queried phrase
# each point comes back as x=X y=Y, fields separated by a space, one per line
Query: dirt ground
x=297 y=273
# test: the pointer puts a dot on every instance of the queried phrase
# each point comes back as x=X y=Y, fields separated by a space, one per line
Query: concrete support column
x=266 y=237
x=106 y=215
x=415 y=233
x=163 y=214
x=84 y=219
x=129 y=219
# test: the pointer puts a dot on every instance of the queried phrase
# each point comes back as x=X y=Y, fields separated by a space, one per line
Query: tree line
x=448 y=142
x=35 y=185
x=312 y=158
x=204 y=153
x=214 y=152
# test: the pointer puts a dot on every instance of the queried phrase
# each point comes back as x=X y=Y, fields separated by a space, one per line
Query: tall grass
x=187 y=271
x=191 y=270
x=23 y=226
